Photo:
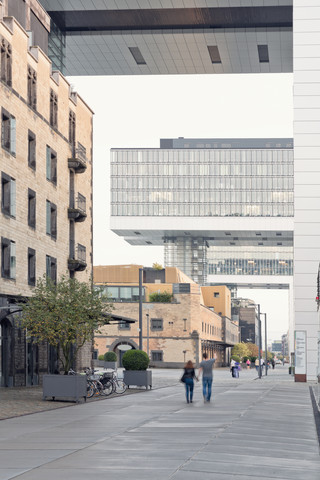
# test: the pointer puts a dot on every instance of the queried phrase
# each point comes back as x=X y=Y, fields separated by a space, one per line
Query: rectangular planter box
x=139 y=378
x=71 y=387
x=103 y=364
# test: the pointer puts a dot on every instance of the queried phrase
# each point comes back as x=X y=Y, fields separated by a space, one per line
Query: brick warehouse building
x=46 y=185
x=173 y=332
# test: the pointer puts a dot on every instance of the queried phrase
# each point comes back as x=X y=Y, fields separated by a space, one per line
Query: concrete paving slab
x=268 y=472
x=250 y=460
x=156 y=435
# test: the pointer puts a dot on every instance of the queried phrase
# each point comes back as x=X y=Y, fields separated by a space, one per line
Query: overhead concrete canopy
x=166 y=37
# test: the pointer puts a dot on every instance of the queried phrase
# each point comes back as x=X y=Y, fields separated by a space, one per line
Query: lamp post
x=260 y=340
x=265 y=341
x=147 y=315
x=140 y=308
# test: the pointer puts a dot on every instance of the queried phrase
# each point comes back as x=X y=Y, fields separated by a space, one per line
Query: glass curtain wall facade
x=200 y=182
x=250 y=260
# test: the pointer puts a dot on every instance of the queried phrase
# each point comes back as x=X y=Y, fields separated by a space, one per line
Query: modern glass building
x=190 y=186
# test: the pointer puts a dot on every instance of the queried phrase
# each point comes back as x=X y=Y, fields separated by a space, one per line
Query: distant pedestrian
x=237 y=369
x=232 y=367
x=273 y=363
x=248 y=364
x=206 y=367
x=256 y=363
x=188 y=379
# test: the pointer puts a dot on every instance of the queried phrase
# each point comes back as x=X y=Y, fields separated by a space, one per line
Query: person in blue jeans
x=206 y=367
x=189 y=375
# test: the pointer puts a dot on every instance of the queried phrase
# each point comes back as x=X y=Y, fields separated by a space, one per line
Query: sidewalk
x=253 y=429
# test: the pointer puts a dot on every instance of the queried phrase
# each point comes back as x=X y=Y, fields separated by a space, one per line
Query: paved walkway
x=253 y=429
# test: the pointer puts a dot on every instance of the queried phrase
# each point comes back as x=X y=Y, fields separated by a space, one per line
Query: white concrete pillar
x=306 y=66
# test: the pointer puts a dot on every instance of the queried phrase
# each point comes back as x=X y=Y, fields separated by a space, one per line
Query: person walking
x=188 y=379
x=232 y=367
x=248 y=364
x=256 y=364
x=206 y=367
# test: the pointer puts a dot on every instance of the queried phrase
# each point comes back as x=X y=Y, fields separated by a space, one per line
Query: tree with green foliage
x=65 y=315
x=157 y=266
x=240 y=349
x=253 y=350
x=162 y=297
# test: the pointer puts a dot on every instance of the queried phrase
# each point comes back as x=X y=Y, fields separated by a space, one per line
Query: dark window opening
x=8 y=258
x=51 y=219
x=31 y=208
x=8 y=132
x=51 y=268
x=214 y=54
x=8 y=195
x=124 y=326
x=263 y=53
x=137 y=55
x=156 y=356
x=51 y=165
x=156 y=324
x=31 y=266
x=31 y=150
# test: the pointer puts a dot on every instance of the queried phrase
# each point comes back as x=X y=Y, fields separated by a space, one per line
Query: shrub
x=163 y=297
x=236 y=358
x=253 y=359
x=245 y=359
x=110 y=357
x=101 y=357
x=135 y=360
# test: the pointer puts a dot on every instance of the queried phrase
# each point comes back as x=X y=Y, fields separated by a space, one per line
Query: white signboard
x=300 y=344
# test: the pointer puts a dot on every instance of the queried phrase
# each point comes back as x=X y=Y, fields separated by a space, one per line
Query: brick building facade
x=173 y=332
x=46 y=185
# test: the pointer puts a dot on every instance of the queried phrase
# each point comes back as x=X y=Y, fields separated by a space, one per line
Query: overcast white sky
x=136 y=111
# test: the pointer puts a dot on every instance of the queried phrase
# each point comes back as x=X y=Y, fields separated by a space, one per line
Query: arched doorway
x=6 y=353
x=120 y=347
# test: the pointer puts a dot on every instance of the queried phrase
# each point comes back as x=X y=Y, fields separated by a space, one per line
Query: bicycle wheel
x=121 y=387
x=90 y=390
x=107 y=388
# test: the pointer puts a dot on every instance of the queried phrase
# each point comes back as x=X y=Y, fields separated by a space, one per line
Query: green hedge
x=236 y=358
x=135 y=360
x=101 y=357
x=110 y=357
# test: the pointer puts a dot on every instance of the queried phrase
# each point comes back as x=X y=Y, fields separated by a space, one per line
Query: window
x=8 y=132
x=72 y=128
x=31 y=208
x=53 y=109
x=6 y=62
x=156 y=356
x=51 y=220
x=8 y=195
x=8 y=258
x=51 y=167
x=216 y=294
x=32 y=88
x=31 y=150
x=31 y=266
x=51 y=268
x=124 y=326
x=156 y=324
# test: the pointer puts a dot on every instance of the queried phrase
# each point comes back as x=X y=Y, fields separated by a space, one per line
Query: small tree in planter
x=64 y=315
x=110 y=360
x=136 y=363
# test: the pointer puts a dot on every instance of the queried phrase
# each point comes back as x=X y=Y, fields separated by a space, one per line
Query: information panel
x=300 y=348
